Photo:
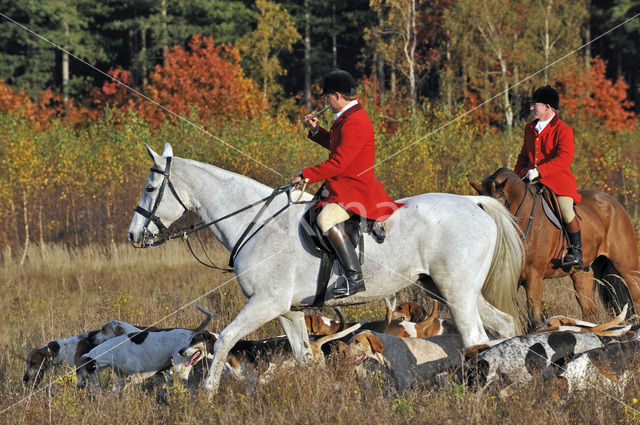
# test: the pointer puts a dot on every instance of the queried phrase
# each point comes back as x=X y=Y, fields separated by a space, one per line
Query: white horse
x=456 y=245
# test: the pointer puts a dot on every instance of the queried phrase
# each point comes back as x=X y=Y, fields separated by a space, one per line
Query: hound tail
x=206 y=320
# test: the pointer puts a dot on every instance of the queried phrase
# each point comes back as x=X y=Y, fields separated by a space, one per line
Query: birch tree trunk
x=307 y=55
x=65 y=72
x=165 y=34
x=26 y=227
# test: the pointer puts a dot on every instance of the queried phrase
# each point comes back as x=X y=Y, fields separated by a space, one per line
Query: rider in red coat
x=546 y=155
x=350 y=185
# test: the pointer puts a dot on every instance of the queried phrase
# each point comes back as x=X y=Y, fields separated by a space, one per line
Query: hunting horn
x=317 y=113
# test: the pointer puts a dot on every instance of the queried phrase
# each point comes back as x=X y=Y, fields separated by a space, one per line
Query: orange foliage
x=590 y=96
x=385 y=106
x=114 y=93
x=49 y=105
x=207 y=77
x=16 y=102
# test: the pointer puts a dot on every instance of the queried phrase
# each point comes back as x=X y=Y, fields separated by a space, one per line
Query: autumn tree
x=275 y=32
x=114 y=92
x=206 y=77
x=557 y=22
x=587 y=95
x=25 y=171
x=396 y=39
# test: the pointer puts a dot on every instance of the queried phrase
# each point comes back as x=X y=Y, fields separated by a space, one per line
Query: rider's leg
x=574 y=252
x=331 y=221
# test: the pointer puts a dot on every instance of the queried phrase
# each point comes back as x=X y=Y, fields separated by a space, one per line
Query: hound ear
x=152 y=154
x=417 y=313
x=119 y=330
x=167 y=151
x=376 y=344
x=313 y=323
x=474 y=184
x=53 y=348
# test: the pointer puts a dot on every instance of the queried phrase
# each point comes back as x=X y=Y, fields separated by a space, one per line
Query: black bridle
x=164 y=234
x=151 y=215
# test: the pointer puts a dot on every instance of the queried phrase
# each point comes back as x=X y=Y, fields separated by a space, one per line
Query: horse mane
x=221 y=173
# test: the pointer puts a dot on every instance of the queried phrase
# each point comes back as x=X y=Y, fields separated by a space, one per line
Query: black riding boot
x=574 y=252
x=348 y=257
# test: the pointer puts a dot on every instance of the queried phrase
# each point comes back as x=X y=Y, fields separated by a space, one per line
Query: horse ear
x=167 y=151
x=500 y=186
x=152 y=154
x=477 y=186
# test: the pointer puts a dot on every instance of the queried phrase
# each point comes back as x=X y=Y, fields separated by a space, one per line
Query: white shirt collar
x=347 y=106
x=542 y=124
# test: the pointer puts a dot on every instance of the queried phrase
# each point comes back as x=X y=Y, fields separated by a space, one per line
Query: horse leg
x=255 y=313
x=463 y=304
x=632 y=279
x=583 y=285
x=294 y=326
x=500 y=323
x=632 y=282
x=534 y=290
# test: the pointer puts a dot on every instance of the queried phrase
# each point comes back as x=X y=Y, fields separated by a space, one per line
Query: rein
x=164 y=235
x=535 y=195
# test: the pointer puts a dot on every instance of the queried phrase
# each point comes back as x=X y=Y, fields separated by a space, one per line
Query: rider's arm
x=321 y=137
x=349 y=144
x=523 y=164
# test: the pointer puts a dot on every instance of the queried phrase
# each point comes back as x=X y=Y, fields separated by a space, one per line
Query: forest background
x=445 y=83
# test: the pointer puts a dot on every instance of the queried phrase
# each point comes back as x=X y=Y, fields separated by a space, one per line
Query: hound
x=410 y=317
x=321 y=325
x=521 y=358
x=610 y=328
x=139 y=355
x=67 y=351
x=406 y=359
x=607 y=369
x=249 y=351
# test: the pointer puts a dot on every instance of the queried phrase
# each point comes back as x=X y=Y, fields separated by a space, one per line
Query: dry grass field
x=62 y=292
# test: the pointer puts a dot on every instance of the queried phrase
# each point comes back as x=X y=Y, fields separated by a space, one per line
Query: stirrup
x=574 y=262
x=349 y=288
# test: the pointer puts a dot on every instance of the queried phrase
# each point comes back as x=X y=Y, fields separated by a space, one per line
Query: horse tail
x=501 y=285
x=612 y=288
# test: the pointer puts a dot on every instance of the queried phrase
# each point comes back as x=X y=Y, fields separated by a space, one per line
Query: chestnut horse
x=609 y=247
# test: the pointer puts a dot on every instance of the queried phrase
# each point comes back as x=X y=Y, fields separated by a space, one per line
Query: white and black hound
x=67 y=351
x=139 y=355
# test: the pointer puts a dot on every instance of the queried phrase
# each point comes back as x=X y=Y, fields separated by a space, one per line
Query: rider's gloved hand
x=298 y=179
x=532 y=174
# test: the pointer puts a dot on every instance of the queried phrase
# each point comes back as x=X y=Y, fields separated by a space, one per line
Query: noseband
x=151 y=215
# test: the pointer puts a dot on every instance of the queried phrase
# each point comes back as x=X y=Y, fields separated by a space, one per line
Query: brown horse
x=609 y=247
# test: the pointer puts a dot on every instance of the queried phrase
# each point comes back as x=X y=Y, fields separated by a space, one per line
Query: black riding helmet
x=339 y=81
x=547 y=95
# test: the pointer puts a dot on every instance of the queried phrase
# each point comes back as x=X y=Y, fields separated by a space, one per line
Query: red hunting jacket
x=551 y=152
x=351 y=152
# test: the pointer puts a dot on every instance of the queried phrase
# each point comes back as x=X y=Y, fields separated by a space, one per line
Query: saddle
x=312 y=237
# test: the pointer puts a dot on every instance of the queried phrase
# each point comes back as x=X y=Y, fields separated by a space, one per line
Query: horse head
x=504 y=185
x=159 y=205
